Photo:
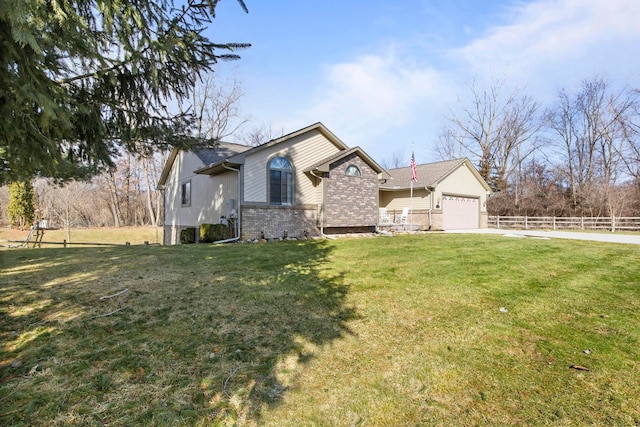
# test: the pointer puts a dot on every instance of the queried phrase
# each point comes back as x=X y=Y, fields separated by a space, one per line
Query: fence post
x=526 y=223
x=554 y=222
x=64 y=243
x=581 y=223
x=498 y=221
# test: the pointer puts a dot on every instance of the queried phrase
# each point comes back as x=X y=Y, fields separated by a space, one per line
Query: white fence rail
x=565 y=223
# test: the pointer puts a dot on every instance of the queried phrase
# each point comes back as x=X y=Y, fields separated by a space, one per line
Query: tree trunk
x=152 y=214
x=113 y=196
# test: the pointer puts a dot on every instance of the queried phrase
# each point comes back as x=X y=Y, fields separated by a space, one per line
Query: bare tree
x=448 y=146
x=395 y=160
x=630 y=123
x=93 y=203
x=112 y=186
x=258 y=135
x=537 y=191
x=216 y=108
x=588 y=128
x=496 y=131
x=67 y=204
x=151 y=167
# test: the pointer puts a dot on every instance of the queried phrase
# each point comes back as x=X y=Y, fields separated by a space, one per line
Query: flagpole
x=411 y=205
x=411 y=193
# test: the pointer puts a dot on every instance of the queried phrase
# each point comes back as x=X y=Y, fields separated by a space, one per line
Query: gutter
x=164 y=212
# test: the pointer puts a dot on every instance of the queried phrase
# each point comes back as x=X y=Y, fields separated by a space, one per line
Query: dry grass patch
x=104 y=235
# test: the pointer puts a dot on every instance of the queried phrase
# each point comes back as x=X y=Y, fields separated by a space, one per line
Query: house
x=306 y=183
x=447 y=195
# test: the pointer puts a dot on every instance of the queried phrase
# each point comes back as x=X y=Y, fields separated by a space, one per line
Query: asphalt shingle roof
x=428 y=174
x=222 y=151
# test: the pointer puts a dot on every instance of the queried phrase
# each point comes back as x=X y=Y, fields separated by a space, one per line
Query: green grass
x=386 y=331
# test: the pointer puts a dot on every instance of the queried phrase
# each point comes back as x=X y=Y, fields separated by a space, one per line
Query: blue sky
x=384 y=74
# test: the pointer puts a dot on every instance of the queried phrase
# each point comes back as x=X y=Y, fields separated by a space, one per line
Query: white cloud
x=364 y=98
x=559 y=39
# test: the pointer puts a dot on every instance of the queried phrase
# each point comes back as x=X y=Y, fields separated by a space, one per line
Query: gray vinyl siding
x=209 y=194
x=181 y=172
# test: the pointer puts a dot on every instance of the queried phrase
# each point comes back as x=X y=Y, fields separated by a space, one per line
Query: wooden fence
x=565 y=223
x=39 y=243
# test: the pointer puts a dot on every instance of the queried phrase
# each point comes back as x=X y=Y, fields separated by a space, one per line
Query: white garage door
x=460 y=213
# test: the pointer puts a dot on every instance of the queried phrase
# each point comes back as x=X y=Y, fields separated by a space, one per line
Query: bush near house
x=188 y=235
x=210 y=233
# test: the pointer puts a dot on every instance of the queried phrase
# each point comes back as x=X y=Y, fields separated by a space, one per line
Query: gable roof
x=316 y=126
x=429 y=174
x=324 y=164
x=221 y=151
x=226 y=154
x=239 y=158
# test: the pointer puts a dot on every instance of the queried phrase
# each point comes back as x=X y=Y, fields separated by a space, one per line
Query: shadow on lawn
x=203 y=334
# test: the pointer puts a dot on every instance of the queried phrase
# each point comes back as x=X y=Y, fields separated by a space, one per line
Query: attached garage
x=447 y=195
x=459 y=213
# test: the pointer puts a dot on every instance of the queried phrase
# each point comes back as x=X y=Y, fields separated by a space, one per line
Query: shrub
x=213 y=232
x=21 y=209
x=188 y=235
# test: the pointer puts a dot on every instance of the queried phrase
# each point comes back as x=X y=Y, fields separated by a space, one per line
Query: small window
x=352 y=170
x=186 y=193
x=281 y=181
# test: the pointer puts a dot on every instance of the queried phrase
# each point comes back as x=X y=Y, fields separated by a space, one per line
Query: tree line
x=578 y=156
x=124 y=195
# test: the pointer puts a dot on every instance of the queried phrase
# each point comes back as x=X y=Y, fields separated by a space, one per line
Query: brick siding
x=273 y=221
x=351 y=201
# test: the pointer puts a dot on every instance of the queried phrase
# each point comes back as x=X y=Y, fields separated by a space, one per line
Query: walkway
x=595 y=237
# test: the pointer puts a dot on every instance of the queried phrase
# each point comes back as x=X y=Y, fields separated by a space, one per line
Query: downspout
x=322 y=210
x=431 y=189
x=238 y=228
x=233 y=239
x=164 y=212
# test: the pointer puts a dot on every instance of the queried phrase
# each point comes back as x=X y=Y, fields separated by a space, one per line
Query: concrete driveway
x=576 y=235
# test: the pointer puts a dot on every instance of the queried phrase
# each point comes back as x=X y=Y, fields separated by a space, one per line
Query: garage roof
x=428 y=174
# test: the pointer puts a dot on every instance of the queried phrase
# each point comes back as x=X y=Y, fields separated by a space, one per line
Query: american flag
x=414 y=171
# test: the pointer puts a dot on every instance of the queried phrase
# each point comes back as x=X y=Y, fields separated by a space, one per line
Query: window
x=186 y=193
x=352 y=170
x=281 y=181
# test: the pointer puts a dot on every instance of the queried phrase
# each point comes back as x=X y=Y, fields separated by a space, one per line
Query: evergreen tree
x=82 y=79
x=21 y=209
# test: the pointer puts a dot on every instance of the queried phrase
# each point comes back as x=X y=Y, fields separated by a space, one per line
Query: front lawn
x=410 y=330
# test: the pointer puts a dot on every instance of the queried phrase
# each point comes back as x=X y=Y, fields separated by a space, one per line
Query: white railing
x=565 y=223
